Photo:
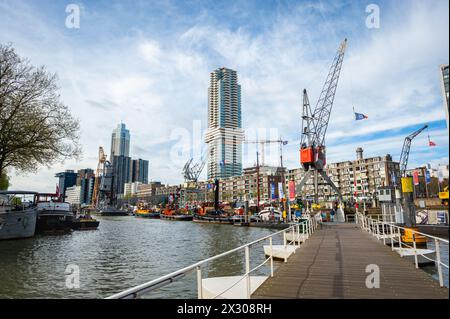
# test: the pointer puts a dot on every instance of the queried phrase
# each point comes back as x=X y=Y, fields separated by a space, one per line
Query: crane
x=409 y=210
x=404 y=156
x=263 y=142
x=100 y=170
x=314 y=126
x=192 y=171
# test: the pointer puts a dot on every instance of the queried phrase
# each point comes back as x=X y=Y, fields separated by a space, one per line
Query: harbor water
x=123 y=252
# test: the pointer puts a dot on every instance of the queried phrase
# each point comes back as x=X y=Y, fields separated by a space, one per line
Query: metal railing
x=308 y=227
x=388 y=230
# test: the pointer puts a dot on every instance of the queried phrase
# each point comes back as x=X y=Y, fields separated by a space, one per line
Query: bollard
x=271 y=257
x=415 y=250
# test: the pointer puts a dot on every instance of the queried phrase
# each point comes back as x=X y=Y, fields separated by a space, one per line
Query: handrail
x=134 y=292
x=372 y=226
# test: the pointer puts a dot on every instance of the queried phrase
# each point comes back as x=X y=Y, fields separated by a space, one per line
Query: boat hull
x=177 y=217
x=85 y=224
x=53 y=222
x=212 y=219
x=21 y=224
x=147 y=215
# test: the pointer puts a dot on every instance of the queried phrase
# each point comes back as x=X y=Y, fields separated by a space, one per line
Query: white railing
x=388 y=230
x=308 y=227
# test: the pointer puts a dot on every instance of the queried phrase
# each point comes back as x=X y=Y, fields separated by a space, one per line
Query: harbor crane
x=102 y=162
x=314 y=127
x=409 y=210
x=404 y=156
x=192 y=170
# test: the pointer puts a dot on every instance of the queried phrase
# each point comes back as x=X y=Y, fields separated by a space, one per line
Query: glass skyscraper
x=120 y=141
x=225 y=135
x=445 y=88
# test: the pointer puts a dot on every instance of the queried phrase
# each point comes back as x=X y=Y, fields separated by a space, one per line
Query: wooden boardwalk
x=332 y=264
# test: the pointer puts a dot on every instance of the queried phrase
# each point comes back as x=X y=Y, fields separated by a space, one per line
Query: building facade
x=445 y=89
x=65 y=180
x=73 y=195
x=120 y=141
x=224 y=136
x=139 y=171
x=121 y=166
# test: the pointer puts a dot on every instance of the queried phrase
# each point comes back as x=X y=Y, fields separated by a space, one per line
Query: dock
x=332 y=265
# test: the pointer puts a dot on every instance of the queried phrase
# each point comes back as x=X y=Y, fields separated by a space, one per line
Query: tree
x=36 y=128
x=4 y=181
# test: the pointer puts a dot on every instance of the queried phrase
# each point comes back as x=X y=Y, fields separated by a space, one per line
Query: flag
x=291 y=187
x=272 y=191
x=416 y=178
x=427 y=177
x=394 y=178
x=280 y=190
x=431 y=143
x=360 y=116
x=57 y=190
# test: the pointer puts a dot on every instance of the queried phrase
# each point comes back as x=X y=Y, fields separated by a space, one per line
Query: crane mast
x=314 y=126
x=404 y=156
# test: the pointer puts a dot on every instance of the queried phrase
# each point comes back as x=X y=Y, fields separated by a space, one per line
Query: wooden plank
x=332 y=264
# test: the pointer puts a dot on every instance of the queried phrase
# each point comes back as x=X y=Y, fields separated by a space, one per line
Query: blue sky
x=147 y=63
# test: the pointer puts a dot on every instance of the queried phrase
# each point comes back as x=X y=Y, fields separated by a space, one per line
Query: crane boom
x=322 y=111
x=404 y=156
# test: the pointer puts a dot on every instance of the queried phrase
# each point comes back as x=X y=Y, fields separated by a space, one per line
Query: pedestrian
x=332 y=215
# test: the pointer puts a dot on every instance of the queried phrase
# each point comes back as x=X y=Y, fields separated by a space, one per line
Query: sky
x=147 y=64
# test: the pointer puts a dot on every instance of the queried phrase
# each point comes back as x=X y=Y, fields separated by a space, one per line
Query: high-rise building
x=66 y=179
x=86 y=180
x=139 y=171
x=120 y=141
x=225 y=135
x=121 y=173
x=445 y=89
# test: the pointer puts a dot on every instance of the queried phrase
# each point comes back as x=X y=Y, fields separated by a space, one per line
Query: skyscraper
x=120 y=158
x=139 y=171
x=225 y=135
x=66 y=179
x=445 y=89
x=120 y=141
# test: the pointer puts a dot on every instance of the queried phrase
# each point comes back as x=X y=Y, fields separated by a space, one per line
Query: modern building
x=86 y=180
x=139 y=171
x=131 y=189
x=73 y=195
x=120 y=141
x=66 y=179
x=224 y=136
x=121 y=166
x=445 y=89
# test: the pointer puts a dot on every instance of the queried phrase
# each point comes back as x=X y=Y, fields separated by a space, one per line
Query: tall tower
x=120 y=141
x=225 y=135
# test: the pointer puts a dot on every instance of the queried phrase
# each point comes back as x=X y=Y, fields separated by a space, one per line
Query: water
x=123 y=252
x=432 y=270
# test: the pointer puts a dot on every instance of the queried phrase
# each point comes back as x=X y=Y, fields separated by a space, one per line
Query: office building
x=66 y=179
x=445 y=89
x=120 y=141
x=139 y=171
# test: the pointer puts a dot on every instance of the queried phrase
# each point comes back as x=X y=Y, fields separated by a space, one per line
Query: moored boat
x=54 y=215
x=112 y=211
x=142 y=210
x=18 y=214
x=176 y=214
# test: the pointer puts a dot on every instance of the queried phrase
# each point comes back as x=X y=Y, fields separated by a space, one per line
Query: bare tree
x=36 y=128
